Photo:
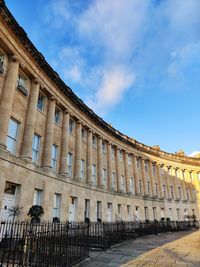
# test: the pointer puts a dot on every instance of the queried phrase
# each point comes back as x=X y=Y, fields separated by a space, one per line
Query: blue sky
x=135 y=63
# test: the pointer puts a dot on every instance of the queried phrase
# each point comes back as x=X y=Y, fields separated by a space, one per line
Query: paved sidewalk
x=184 y=252
x=137 y=249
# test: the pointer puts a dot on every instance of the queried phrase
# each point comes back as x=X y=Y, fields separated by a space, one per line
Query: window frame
x=34 y=150
x=14 y=139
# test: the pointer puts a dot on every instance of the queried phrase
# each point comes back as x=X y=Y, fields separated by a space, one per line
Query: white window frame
x=41 y=102
x=36 y=148
x=57 y=116
x=69 y=163
x=82 y=168
x=104 y=176
x=54 y=157
x=13 y=138
x=94 y=172
x=132 y=184
x=57 y=205
x=71 y=126
x=38 y=196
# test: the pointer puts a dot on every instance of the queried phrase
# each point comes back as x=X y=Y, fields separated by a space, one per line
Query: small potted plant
x=35 y=212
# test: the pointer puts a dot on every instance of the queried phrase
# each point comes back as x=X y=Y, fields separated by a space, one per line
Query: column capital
x=79 y=121
x=66 y=111
x=36 y=80
x=14 y=58
x=52 y=98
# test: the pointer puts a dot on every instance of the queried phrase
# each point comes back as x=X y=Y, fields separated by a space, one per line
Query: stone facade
x=56 y=152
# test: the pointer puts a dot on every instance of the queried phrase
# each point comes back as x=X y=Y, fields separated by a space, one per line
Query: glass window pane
x=12 y=129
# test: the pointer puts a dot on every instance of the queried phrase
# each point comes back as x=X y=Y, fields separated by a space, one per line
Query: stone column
x=167 y=182
x=100 y=162
x=152 y=179
x=30 y=121
x=127 y=176
x=89 y=157
x=118 y=168
x=144 y=178
x=109 y=155
x=64 y=143
x=78 y=150
x=160 y=182
x=135 y=171
x=7 y=98
x=48 y=142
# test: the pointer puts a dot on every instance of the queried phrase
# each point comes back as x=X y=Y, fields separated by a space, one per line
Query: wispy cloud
x=110 y=47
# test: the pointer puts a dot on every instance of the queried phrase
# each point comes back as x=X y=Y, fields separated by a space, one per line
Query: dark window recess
x=22 y=89
x=1 y=67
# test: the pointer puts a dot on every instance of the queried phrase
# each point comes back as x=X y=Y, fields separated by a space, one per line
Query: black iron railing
x=46 y=244
x=105 y=235
x=66 y=244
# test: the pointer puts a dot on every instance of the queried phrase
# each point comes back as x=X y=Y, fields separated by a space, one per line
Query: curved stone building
x=56 y=152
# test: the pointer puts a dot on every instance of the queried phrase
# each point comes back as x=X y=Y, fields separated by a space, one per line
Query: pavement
x=177 y=249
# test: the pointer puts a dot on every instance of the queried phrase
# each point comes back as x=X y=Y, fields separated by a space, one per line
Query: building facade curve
x=56 y=152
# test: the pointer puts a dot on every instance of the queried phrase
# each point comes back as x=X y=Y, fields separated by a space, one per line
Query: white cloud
x=158 y=44
x=114 y=84
x=194 y=153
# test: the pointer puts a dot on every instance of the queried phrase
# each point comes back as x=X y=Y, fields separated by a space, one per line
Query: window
x=82 y=169
x=154 y=169
x=21 y=85
x=129 y=160
x=131 y=185
x=119 y=209
x=21 y=81
x=1 y=64
x=71 y=126
x=37 y=198
x=140 y=187
x=94 y=171
x=83 y=134
x=154 y=213
x=179 y=191
x=104 y=176
x=104 y=147
x=148 y=188
x=178 y=214
x=94 y=141
x=54 y=153
x=170 y=214
x=69 y=164
x=129 y=212
x=40 y=103
x=120 y=155
x=114 y=180
x=35 y=148
x=188 y=194
x=113 y=152
x=162 y=171
x=10 y=189
x=57 y=116
x=56 y=205
x=87 y=209
x=164 y=190
x=156 y=189
x=11 y=142
x=172 y=191
x=146 y=213
x=146 y=166
x=122 y=182
x=138 y=163
x=99 y=210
